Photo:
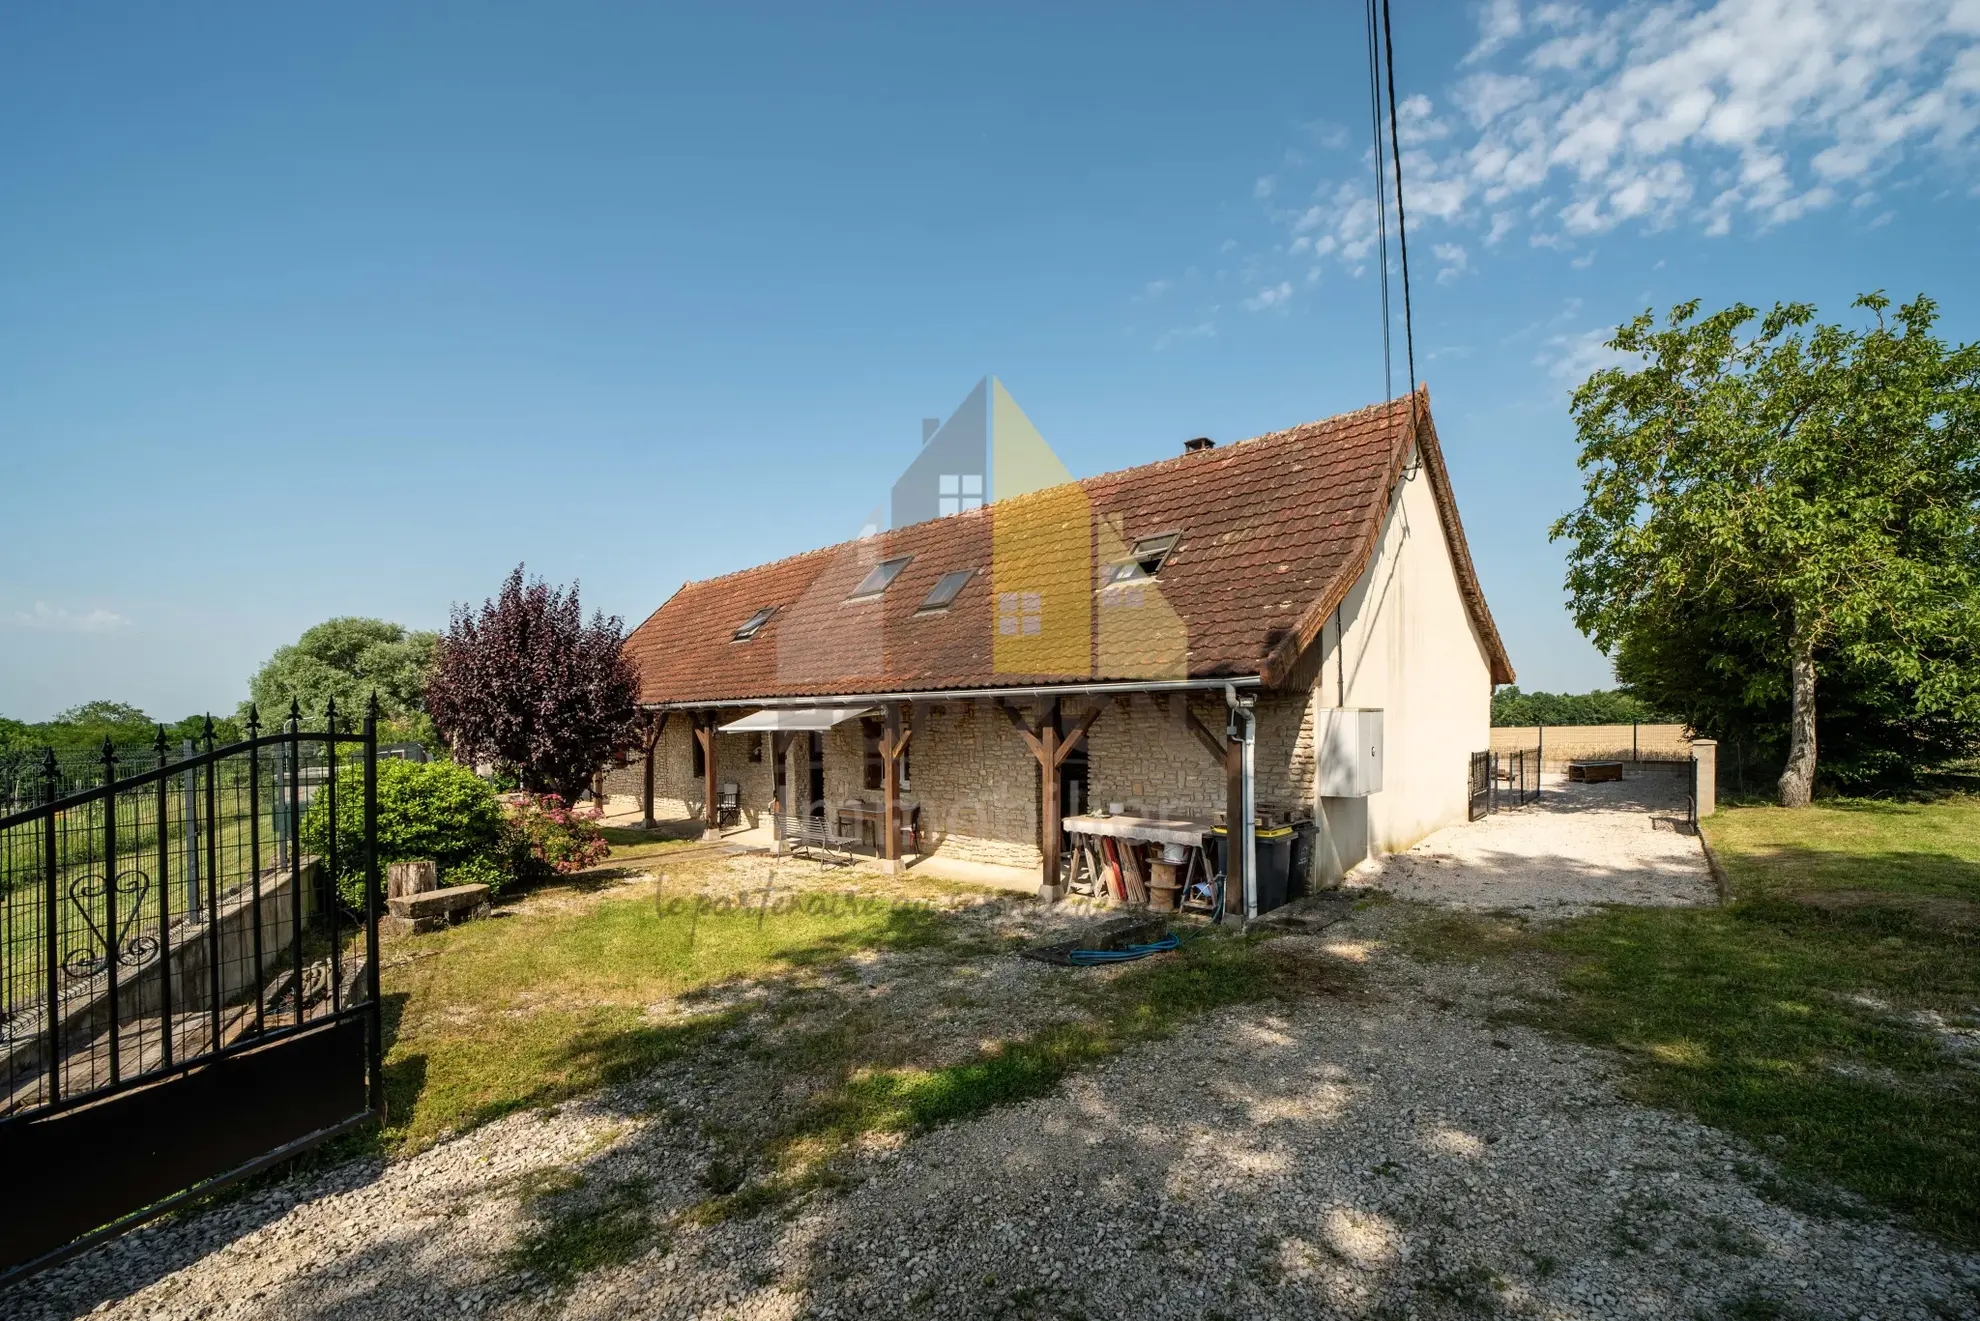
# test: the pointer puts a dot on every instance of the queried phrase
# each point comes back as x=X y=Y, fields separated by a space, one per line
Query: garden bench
x=431 y=910
x=813 y=836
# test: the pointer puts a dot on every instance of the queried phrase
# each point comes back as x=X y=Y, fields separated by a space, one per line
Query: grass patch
x=532 y=1007
x=1786 y=1017
x=577 y=1228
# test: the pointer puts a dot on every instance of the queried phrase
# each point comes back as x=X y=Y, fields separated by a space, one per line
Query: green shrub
x=486 y=870
x=435 y=810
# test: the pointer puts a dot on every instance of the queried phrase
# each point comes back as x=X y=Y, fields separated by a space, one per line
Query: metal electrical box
x=1350 y=751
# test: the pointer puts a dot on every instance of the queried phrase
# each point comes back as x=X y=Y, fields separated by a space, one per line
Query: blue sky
x=346 y=309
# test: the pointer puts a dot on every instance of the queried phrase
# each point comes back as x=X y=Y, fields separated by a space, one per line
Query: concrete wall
x=1411 y=649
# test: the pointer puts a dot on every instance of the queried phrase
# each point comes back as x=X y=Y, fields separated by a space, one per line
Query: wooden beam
x=780 y=769
x=1046 y=744
x=891 y=743
x=655 y=728
x=1023 y=727
x=1078 y=733
x=1202 y=734
x=710 y=816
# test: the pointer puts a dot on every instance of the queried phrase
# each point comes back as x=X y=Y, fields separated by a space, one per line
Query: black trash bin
x=1275 y=855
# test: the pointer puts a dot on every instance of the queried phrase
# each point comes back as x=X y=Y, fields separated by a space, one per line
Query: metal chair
x=728 y=804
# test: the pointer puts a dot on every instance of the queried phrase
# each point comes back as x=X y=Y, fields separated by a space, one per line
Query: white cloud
x=1573 y=358
x=1564 y=123
x=1452 y=260
x=1568 y=123
x=1499 y=24
x=60 y=619
x=1760 y=106
x=1274 y=296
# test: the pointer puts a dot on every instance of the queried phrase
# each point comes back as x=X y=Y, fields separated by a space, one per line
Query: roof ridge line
x=984 y=509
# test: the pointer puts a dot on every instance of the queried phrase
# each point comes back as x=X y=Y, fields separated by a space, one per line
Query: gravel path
x=1381 y=1150
x=1578 y=847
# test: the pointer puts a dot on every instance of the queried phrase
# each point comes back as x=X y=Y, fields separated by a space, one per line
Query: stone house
x=1118 y=639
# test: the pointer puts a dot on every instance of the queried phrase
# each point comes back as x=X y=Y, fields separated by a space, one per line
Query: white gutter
x=1244 y=727
x=954 y=694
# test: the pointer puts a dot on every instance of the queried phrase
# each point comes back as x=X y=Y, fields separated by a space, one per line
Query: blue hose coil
x=1087 y=958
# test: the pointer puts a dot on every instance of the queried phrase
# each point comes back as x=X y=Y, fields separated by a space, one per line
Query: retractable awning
x=795 y=717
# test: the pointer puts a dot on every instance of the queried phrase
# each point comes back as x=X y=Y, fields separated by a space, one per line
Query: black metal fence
x=165 y=937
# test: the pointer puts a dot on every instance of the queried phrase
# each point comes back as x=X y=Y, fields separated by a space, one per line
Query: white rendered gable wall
x=1414 y=651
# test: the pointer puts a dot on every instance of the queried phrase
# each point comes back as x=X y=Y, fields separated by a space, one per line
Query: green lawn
x=1799 y=1015
x=546 y=1002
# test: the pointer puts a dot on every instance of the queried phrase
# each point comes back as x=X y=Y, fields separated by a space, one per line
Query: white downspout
x=1244 y=727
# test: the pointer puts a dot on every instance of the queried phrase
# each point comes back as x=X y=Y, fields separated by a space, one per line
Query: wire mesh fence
x=1515 y=778
x=158 y=906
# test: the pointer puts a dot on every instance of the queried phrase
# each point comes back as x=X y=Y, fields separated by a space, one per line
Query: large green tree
x=1810 y=490
x=349 y=659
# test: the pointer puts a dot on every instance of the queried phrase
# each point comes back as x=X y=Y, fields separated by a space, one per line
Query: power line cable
x=1402 y=221
x=1381 y=192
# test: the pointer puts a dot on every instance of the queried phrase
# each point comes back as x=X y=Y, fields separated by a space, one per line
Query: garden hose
x=1087 y=958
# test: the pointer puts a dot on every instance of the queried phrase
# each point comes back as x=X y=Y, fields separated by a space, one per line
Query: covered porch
x=975 y=785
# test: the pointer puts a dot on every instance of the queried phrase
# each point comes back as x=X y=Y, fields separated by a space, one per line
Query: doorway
x=816 y=802
x=1072 y=789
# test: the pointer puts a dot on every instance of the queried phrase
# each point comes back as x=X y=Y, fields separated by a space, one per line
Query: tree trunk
x=1797 y=783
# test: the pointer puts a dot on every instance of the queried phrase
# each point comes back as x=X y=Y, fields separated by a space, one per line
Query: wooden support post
x=655 y=728
x=1050 y=747
x=893 y=742
x=1052 y=831
x=711 y=822
x=1234 y=826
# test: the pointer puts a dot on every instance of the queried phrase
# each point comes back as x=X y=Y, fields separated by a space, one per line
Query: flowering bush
x=546 y=838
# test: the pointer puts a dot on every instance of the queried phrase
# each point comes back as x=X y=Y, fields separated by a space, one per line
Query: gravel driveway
x=1382 y=1149
x=1578 y=847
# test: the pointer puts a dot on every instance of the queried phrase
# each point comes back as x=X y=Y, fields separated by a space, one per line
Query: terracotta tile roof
x=1275 y=531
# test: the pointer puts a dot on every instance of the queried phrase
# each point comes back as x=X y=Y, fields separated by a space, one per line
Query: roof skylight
x=1144 y=561
x=944 y=593
x=754 y=624
x=876 y=581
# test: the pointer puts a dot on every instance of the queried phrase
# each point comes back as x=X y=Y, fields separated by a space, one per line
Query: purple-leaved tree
x=526 y=682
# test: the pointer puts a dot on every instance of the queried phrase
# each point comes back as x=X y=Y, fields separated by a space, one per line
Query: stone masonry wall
x=976 y=780
x=677 y=790
x=1144 y=757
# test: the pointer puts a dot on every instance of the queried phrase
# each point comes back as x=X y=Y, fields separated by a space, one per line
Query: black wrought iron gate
x=1478 y=786
x=186 y=994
